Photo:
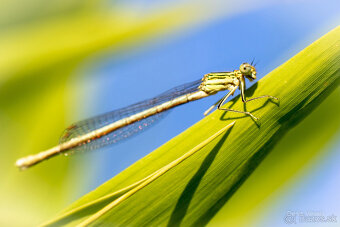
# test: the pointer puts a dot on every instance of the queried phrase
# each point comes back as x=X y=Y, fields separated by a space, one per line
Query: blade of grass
x=292 y=161
x=154 y=176
x=195 y=190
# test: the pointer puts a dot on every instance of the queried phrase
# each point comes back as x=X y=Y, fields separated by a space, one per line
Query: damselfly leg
x=231 y=110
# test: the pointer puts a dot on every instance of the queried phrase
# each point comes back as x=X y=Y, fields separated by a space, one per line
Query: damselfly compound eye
x=245 y=68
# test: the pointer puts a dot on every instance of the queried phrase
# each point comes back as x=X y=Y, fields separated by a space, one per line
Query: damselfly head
x=248 y=71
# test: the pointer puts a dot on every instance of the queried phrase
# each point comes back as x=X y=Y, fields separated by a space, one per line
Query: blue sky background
x=272 y=35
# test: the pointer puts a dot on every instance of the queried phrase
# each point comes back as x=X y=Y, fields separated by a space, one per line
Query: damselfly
x=117 y=125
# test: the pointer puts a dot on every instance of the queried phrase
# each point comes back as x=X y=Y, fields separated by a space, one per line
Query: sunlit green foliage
x=193 y=192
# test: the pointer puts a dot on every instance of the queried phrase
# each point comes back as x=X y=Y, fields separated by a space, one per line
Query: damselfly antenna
x=252 y=62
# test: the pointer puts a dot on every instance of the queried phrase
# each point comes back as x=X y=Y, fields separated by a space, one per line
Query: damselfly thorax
x=219 y=81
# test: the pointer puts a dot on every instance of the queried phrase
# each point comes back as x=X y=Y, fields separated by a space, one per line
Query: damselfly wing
x=85 y=126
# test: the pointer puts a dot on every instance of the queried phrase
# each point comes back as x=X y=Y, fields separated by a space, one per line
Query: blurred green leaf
x=194 y=191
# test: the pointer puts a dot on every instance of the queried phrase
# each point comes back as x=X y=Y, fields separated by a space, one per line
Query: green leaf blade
x=192 y=192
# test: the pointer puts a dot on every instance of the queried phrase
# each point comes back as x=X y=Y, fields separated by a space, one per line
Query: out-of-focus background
x=63 y=61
